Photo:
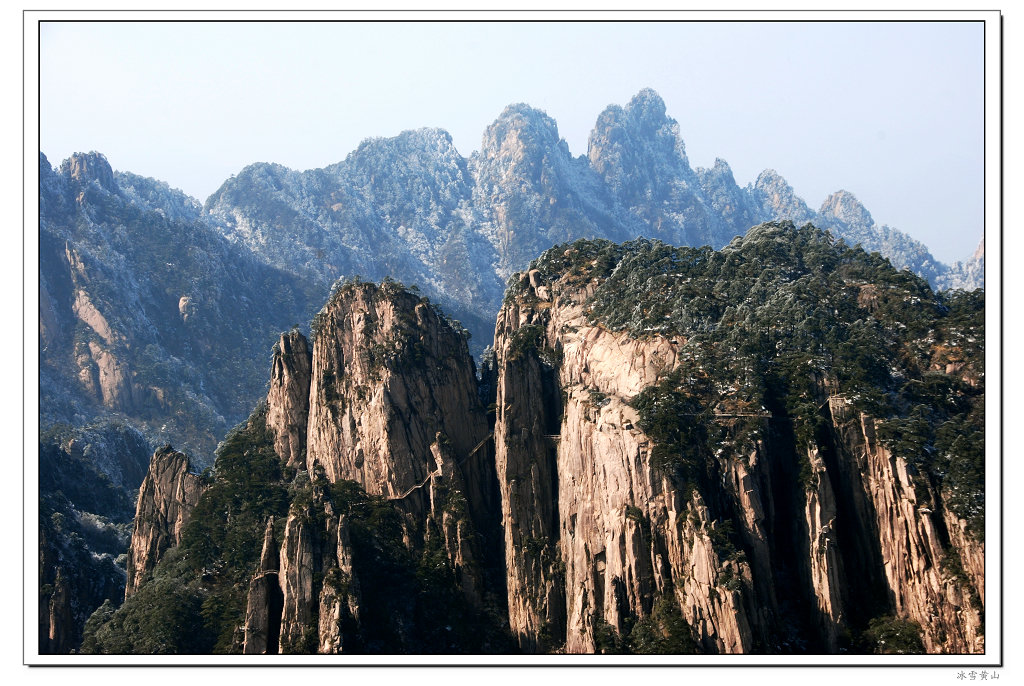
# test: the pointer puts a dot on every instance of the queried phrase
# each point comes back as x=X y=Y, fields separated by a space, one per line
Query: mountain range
x=153 y=279
x=776 y=448
x=157 y=312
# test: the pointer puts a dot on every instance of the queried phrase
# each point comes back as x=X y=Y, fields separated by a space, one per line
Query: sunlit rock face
x=167 y=497
x=784 y=538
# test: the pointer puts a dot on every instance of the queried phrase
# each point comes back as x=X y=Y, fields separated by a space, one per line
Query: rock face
x=264 y=603
x=157 y=310
x=916 y=545
x=146 y=312
x=288 y=399
x=319 y=587
x=758 y=553
x=390 y=402
x=166 y=500
x=825 y=561
x=593 y=535
x=151 y=304
x=390 y=381
x=690 y=454
x=528 y=417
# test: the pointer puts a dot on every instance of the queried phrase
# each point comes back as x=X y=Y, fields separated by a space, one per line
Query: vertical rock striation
x=166 y=499
x=288 y=398
x=775 y=543
x=318 y=582
x=672 y=471
x=527 y=428
x=390 y=378
x=340 y=598
x=918 y=545
x=319 y=587
x=825 y=563
x=386 y=398
x=264 y=602
x=594 y=536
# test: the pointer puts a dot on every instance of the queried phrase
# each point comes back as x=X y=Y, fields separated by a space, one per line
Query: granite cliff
x=652 y=449
x=772 y=448
x=357 y=506
x=166 y=499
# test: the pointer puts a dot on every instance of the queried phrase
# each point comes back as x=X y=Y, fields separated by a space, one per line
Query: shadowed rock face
x=264 y=603
x=167 y=497
x=318 y=584
x=915 y=543
x=147 y=313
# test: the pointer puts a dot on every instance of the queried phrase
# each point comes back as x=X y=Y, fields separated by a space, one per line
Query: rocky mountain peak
x=641 y=133
x=432 y=142
x=844 y=206
x=176 y=306
x=53 y=189
x=770 y=178
x=404 y=173
x=389 y=375
x=770 y=181
x=529 y=190
x=522 y=113
x=778 y=199
x=979 y=252
x=167 y=497
x=83 y=168
x=46 y=172
x=720 y=170
x=520 y=131
x=648 y=109
x=641 y=157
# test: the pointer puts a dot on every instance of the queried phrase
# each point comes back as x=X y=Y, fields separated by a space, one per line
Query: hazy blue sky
x=889 y=111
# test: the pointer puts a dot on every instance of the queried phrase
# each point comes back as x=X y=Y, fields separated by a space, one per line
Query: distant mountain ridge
x=148 y=298
x=145 y=311
x=412 y=206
